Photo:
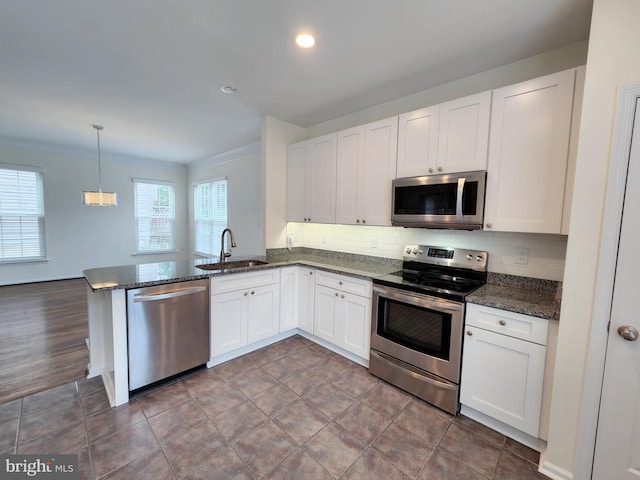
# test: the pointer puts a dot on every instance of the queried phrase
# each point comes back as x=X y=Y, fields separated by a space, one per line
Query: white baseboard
x=553 y=471
x=225 y=357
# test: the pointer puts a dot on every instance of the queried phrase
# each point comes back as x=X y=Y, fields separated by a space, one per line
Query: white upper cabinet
x=350 y=160
x=418 y=142
x=366 y=166
x=463 y=135
x=528 y=149
x=447 y=138
x=298 y=203
x=311 y=180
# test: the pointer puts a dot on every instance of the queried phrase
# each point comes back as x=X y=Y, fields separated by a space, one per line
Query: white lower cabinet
x=245 y=308
x=342 y=317
x=288 y=298
x=306 y=294
x=503 y=366
x=249 y=307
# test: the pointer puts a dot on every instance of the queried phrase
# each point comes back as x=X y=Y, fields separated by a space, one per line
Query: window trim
x=172 y=248
x=42 y=228
x=195 y=184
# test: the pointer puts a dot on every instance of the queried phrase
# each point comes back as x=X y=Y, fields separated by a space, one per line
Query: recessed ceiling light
x=305 y=40
x=228 y=89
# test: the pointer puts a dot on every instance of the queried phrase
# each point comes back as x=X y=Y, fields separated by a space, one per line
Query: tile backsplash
x=523 y=254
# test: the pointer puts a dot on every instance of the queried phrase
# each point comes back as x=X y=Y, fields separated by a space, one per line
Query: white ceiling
x=150 y=70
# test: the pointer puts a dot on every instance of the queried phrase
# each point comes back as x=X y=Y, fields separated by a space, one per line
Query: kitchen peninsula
x=107 y=304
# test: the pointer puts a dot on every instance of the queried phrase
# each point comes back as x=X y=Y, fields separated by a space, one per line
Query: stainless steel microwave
x=454 y=201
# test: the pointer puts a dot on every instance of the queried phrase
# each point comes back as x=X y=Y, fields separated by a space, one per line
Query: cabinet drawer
x=517 y=325
x=238 y=281
x=344 y=283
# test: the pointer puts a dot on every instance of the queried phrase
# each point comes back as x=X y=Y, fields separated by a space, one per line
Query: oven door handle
x=405 y=296
x=461 y=182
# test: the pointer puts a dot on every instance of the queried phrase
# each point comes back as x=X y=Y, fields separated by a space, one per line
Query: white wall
x=545 y=252
x=242 y=168
x=276 y=135
x=80 y=237
x=612 y=62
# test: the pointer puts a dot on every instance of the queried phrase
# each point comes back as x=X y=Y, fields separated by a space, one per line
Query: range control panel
x=448 y=256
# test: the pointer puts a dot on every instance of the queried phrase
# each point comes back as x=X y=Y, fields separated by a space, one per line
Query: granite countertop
x=158 y=273
x=529 y=296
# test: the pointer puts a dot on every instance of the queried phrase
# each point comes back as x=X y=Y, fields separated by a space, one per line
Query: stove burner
x=437 y=280
x=433 y=276
x=441 y=285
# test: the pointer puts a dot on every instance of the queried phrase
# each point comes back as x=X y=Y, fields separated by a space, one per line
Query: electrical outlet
x=522 y=256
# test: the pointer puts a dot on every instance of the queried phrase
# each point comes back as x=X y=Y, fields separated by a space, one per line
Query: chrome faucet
x=223 y=254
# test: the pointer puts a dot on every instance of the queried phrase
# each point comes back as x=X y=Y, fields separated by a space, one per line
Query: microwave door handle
x=461 y=182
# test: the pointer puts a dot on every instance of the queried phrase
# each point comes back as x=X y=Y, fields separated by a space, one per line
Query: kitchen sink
x=232 y=264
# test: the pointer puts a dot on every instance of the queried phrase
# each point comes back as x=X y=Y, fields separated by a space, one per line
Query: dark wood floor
x=43 y=327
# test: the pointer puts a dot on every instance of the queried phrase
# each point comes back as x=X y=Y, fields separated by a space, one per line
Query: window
x=210 y=212
x=21 y=214
x=155 y=216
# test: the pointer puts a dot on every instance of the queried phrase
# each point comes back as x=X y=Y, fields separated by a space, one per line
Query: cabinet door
x=528 y=148
x=288 y=298
x=322 y=163
x=263 y=312
x=297 y=205
x=350 y=154
x=377 y=171
x=228 y=322
x=463 y=134
x=306 y=299
x=324 y=324
x=353 y=315
x=502 y=377
x=418 y=142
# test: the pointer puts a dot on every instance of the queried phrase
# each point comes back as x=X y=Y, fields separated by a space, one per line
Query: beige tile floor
x=293 y=410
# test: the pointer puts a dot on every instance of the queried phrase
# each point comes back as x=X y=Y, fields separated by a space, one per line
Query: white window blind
x=21 y=214
x=210 y=212
x=155 y=216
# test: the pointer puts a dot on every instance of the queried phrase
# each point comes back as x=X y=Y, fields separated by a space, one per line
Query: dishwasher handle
x=164 y=296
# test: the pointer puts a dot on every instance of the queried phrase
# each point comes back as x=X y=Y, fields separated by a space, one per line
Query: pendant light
x=99 y=198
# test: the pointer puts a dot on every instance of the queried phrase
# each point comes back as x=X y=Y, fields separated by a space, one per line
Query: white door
x=617 y=454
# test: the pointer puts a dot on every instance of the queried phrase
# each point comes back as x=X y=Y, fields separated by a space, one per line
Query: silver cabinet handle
x=431 y=170
x=363 y=221
x=252 y=292
x=439 y=169
x=503 y=322
x=245 y=294
x=469 y=332
x=628 y=332
x=336 y=294
x=489 y=225
x=341 y=296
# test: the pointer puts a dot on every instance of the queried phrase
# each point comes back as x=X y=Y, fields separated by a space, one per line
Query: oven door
x=420 y=330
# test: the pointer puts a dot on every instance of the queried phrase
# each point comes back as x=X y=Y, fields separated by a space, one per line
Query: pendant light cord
x=98 y=128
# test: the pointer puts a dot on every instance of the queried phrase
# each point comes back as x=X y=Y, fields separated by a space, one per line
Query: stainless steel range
x=418 y=317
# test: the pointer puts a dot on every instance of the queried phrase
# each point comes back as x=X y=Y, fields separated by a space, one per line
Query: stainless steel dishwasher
x=168 y=330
